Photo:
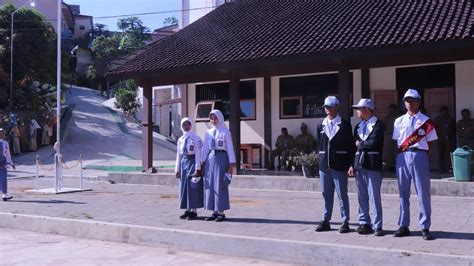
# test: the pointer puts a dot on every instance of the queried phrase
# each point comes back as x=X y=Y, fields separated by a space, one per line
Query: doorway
x=436 y=85
x=435 y=98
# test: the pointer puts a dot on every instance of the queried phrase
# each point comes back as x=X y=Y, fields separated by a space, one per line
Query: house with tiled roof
x=270 y=63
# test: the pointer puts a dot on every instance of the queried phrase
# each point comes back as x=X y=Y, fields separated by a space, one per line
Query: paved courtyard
x=256 y=213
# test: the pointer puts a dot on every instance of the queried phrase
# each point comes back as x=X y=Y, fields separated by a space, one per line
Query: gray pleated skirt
x=215 y=189
x=190 y=194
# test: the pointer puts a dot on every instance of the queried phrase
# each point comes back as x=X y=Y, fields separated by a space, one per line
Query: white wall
x=383 y=78
x=161 y=114
x=464 y=86
x=82 y=21
x=195 y=9
x=252 y=131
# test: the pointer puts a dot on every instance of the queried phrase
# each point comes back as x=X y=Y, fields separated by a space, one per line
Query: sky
x=101 y=8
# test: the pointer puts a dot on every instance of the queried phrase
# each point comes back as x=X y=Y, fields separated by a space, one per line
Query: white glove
x=196 y=179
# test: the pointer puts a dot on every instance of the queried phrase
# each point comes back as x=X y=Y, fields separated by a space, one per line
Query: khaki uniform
x=389 y=146
x=465 y=128
x=304 y=143
x=446 y=129
x=283 y=145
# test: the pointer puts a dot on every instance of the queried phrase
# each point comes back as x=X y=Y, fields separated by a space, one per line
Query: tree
x=91 y=74
x=99 y=30
x=34 y=52
x=106 y=48
x=126 y=97
x=134 y=33
x=170 y=21
x=132 y=37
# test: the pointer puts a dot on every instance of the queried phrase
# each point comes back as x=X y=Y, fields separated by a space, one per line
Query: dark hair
x=465 y=110
x=284 y=129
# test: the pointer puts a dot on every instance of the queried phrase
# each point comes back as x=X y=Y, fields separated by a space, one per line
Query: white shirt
x=402 y=129
x=6 y=151
x=193 y=147
x=369 y=124
x=223 y=142
x=331 y=127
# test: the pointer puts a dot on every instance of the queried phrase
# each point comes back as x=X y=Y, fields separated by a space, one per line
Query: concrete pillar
x=344 y=93
x=365 y=76
x=267 y=118
x=234 y=119
x=147 y=123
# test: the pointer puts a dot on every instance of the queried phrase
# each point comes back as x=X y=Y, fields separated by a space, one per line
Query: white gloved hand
x=196 y=179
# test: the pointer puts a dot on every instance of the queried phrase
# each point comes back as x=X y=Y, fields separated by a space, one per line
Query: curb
x=293 y=183
x=255 y=247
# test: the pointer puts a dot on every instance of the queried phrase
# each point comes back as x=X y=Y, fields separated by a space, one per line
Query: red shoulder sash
x=418 y=134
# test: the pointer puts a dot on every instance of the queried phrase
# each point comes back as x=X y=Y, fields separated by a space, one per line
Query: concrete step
x=439 y=187
x=311 y=253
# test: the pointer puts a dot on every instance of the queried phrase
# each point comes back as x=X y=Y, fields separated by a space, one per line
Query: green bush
x=126 y=97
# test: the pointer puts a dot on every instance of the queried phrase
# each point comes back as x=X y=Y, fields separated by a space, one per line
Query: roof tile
x=257 y=29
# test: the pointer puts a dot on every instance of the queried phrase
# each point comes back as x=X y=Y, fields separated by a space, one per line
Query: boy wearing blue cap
x=336 y=155
x=413 y=131
x=369 y=136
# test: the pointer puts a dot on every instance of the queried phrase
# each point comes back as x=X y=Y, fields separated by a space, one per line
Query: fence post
x=37 y=171
x=80 y=184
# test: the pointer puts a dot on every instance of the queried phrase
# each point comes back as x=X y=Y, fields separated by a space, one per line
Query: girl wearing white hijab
x=219 y=158
x=188 y=170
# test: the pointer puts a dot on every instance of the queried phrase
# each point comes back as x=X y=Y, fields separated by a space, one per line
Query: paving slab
x=276 y=225
x=29 y=248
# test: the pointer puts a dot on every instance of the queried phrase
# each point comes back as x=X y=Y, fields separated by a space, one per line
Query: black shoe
x=212 y=217
x=402 y=231
x=425 y=233
x=364 y=229
x=192 y=216
x=344 y=228
x=184 y=215
x=7 y=197
x=220 y=218
x=323 y=226
x=379 y=232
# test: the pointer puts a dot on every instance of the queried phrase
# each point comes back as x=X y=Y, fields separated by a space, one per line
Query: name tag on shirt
x=220 y=143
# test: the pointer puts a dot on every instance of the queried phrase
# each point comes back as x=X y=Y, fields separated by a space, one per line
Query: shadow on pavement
x=267 y=221
x=47 y=201
x=452 y=235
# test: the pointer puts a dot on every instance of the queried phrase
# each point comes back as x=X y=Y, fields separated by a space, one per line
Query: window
x=202 y=111
x=291 y=107
x=218 y=94
x=82 y=27
x=248 y=109
x=303 y=97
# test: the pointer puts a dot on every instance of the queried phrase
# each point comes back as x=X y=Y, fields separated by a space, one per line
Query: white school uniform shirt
x=331 y=127
x=369 y=124
x=404 y=126
x=6 y=151
x=193 y=146
x=223 y=142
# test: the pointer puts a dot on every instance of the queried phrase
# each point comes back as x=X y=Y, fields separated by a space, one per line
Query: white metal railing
x=59 y=161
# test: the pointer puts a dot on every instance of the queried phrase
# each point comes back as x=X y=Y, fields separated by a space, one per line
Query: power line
x=129 y=15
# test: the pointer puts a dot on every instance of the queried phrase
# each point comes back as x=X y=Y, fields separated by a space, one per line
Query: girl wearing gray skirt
x=188 y=170
x=219 y=159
